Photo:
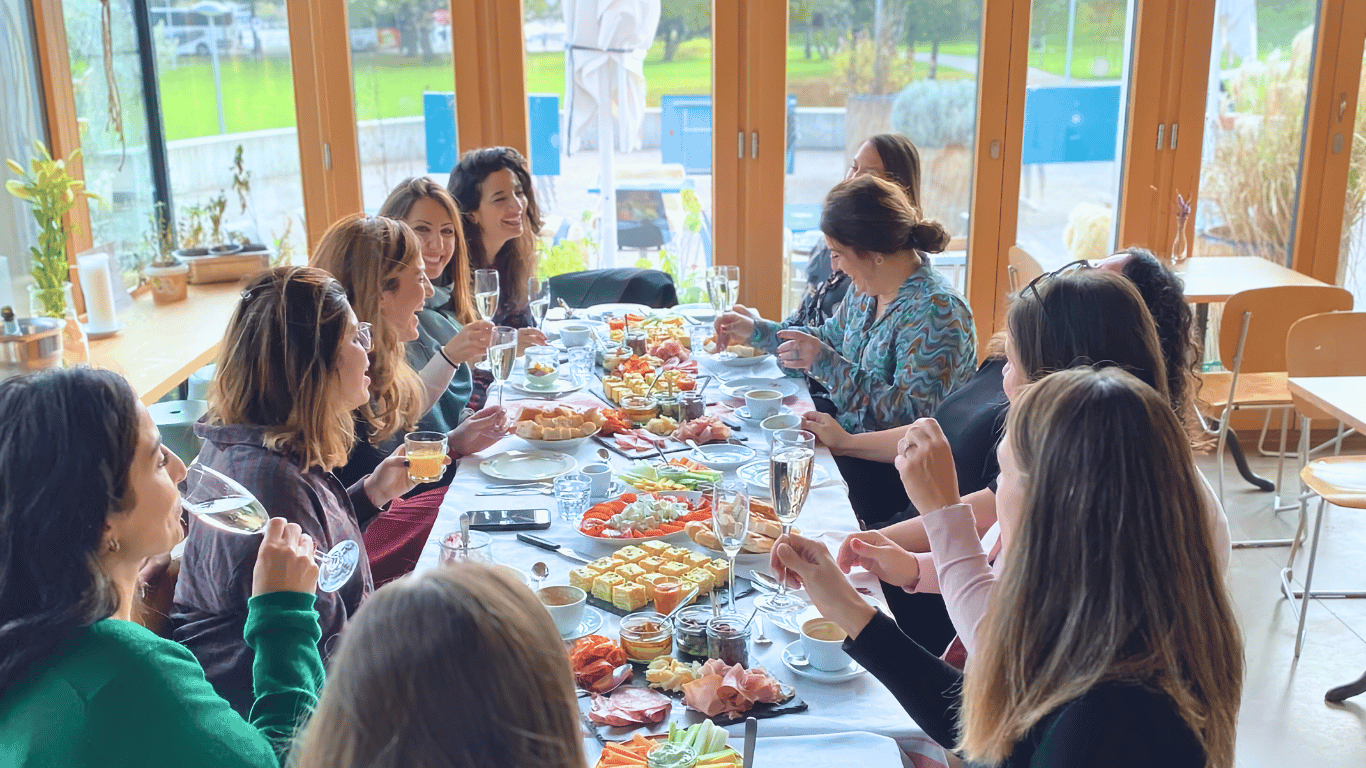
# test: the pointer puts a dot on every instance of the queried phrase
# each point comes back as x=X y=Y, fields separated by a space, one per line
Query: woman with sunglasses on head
x=292 y=368
x=1109 y=638
x=87 y=494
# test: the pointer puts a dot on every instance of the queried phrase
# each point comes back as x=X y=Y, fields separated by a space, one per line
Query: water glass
x=697 y=338
x=571 y=496
x=581 y=364
x=480 y=549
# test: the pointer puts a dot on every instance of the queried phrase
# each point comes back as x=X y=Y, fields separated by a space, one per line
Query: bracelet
x=442 y=351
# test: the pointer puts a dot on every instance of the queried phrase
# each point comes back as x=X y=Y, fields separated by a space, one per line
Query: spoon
x=540 y=571
x=619 y=676
x=684 y=603
x=602 y=454
x=464 y=531
x=800 y=662
x=761 y=638
x=697 y=449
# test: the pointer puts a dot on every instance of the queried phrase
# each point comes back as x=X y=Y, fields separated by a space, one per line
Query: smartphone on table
x=510 y=519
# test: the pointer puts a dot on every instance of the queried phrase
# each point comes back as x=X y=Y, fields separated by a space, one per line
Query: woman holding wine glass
x=87 y=495
x=292 y=369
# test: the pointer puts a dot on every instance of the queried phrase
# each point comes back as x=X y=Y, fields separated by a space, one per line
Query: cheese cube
x=702 y=578
x=675 y=554
x=654 y=548
x=602 y=585
x=628 y=597
x=720 y=571
x=673 y=569
x=582 y=578
x=604 y=564
x=694 y=559
x=652 y=564
x=648 y=582
x=631 y=572
x=631 y=554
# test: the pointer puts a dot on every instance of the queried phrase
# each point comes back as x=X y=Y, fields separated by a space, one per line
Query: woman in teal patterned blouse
x=898 y=344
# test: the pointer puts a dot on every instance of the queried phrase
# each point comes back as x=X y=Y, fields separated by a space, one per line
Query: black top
x=825 y=289
x=1114 y=724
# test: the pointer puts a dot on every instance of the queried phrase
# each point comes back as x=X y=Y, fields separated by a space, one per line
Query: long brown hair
x=366 y=254
x=276 y=365
x=874 y=216
x=1111 y=575
x=516 y=260
x=900 y=162
x=458 y=667
x=400 y=204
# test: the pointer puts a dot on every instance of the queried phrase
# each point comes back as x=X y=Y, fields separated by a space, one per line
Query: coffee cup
x=779 y=422
x=599 y=479
x=824 y=643
x=565 y=605
x=575 y=334
x=763 y=403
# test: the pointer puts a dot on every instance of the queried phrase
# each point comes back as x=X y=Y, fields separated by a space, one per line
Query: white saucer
x=102 y=334
x=730 y=359
x=592 y=620
x=738 y=387
x=743 y=412
x=722 y=456
x=618 y=487
x=755 y=474
x=561 y=387
x=794 y=650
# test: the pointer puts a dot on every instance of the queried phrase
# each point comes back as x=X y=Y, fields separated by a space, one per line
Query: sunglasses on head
x=1068 y=267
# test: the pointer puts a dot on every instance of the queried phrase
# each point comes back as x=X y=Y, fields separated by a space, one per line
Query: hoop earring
x=113 y=546
x=878 y=261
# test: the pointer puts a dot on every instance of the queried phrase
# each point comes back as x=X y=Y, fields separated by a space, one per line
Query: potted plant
x=168 y=275
x=192 y=233
x=51 y=193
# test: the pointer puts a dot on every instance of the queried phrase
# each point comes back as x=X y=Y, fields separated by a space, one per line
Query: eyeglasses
x=363 y=336
x=1068 y=267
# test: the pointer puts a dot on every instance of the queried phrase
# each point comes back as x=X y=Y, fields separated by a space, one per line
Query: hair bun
x=928 y=236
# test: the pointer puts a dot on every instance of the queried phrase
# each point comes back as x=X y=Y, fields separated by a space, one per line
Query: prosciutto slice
x=630 y=706
x=730 y=690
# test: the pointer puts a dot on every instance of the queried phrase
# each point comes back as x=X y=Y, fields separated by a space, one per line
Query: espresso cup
x=763 y=403
x=575 y=335
x=565 y=605
x=599 y=479
x=824 y=643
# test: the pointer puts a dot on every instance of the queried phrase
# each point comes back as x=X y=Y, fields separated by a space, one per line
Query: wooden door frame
x=490 y=75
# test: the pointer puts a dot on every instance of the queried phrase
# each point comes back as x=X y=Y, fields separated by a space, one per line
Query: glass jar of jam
x=639 y=342
x=691 y=405
x=669 y=592
x=639 y=408
x=646 y=636
x=728 y=639
x=690 y=631
x=613 y=356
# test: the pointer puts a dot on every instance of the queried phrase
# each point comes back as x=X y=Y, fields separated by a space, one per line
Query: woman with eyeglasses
x=291 y=371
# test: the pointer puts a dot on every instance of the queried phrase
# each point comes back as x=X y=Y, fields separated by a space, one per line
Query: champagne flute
x=223 y=503
x=538 y=293
x=486 y=292
x=789 y=479
x=715 y=293
x=730 y=523
x=502 y=354
x=727 y=280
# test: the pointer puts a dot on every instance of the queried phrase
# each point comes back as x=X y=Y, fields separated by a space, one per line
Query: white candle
x=6 y=284
x=99 y=296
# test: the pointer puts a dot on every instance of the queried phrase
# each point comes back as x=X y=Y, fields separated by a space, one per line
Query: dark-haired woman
x=87 y=493
x=902 y=341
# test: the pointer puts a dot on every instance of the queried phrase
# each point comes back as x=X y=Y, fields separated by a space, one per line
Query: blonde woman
x=1109 y=638
x=292 y=369
x=459 y=667
x=378 y=262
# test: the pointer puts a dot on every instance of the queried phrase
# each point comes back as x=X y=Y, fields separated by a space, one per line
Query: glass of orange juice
x=426 y=454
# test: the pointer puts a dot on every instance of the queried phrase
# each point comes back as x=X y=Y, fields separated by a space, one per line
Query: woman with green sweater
x=87 y=494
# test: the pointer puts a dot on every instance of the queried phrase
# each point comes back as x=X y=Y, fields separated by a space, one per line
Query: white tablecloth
x=860 y=704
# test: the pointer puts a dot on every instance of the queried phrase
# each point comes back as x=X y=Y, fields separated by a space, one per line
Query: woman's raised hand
x=390 y=479
x=925 y=462
x=808 y=563
x=478 y=432
x=799 y=350
x=735 y=326
x=470 y=343
x=284 y=563
x=880 y=556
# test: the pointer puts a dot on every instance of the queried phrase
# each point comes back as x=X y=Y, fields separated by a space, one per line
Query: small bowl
x=779 y=422
x=722 y=456
x=575 y=335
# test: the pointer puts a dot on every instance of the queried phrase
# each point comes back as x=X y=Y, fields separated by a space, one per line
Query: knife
x=546 y=544
x=751 y=734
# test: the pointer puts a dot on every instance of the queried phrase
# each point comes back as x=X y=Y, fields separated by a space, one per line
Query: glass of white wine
x=502 y=354
x=486 y=292
x=726 y=279
x=538 y=293
x=223 y=503
x=789 y=480
x=730 y=523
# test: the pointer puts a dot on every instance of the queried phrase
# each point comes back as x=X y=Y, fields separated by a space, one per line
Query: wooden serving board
x=684 y=717
x=743 y=586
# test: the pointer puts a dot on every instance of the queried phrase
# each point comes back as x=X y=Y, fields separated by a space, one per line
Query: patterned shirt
x=887 y=371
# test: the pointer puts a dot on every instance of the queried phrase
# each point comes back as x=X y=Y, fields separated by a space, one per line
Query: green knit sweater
x=117 y=695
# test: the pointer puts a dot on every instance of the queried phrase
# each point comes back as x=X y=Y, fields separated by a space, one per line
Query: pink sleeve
x=929 y=577
x=965 y=577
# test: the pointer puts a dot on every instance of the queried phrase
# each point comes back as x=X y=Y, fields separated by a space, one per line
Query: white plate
x=592 y=620
x=598 y=311
x=552 y=327
x=743 y=412
x=792 y=622
x=794 y=650
x=555 y=445
x=738 y=387
x=698 y=313
x=755 y=474
x=722 y=456
x=561 y=387
x=729 y=360
x=527 y=465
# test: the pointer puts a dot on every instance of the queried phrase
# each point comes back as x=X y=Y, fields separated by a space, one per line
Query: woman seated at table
x=292 y=368
x=378 y=262
x=1109 y=639
x=87 y=493
x=493 y=188
x=459 y=666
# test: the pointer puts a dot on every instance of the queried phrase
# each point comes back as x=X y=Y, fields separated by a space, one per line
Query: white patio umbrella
x=604 y=67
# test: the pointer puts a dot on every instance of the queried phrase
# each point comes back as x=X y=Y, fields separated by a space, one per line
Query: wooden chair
x=1336 y=480
x=1252 y=349
x=1021 y=268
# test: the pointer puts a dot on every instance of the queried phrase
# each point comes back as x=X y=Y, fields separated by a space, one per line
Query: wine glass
x=789 y=479
x=486 y=292
x=715 y=292
x=538 y=293
x=502 y=354
x=730 y=523
x=223 y=503
x=726 y=282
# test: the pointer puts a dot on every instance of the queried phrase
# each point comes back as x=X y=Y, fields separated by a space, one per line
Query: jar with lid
x=728 y=639
x=639 y=408
x=690 y=631
x=668 y=405
x=639 y=342
x=542 y=367
x=613 y=356
x=645 y=636
x=691 y=405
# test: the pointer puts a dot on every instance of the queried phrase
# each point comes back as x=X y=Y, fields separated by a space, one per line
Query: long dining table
x=861 y=704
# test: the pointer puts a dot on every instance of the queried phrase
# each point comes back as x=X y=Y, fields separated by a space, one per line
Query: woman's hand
x=284 y=563
x=925 y=462
x=734 y=327
x=470 y=343
x=799 y=350
x=390 y=479
x=826 y=429
x=529 y=337
x=880 y=556
x=478 y=432
x=830 y=592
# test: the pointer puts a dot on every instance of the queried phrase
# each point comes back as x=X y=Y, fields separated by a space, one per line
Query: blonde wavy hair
x=276 y=367
x=1111 y=576
x=400 y=204
x=367 y=254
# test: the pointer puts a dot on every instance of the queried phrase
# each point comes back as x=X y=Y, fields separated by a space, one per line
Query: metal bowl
x=38 y=346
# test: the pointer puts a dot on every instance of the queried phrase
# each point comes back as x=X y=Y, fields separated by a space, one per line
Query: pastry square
x=676 y=554
x=602 y=585
x=652 y=564
x=604 y=564
x=583 y=578
x=702 y=578
x=694 y=559
x=673 y=569
x=654 y=548
x=631 y=572
x=630 y=554
x=628 y=597
x=719 y=570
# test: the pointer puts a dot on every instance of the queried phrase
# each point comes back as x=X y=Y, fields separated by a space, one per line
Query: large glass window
x=1352 y=258
x=20 y=123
